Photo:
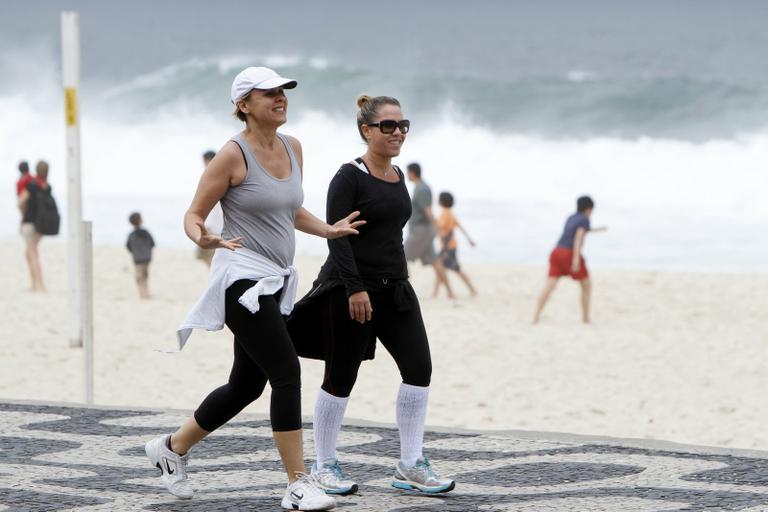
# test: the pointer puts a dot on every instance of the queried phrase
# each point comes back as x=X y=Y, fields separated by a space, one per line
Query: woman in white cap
x=256 y=176
x=363 y=293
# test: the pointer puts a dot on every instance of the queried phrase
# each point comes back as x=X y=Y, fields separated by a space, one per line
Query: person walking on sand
x=446 y=232
x=362 y=293
x=140 y=244
x=422 y=228
x=214 y=222
x=256 y=176
x=566 y=258
x=39 y=217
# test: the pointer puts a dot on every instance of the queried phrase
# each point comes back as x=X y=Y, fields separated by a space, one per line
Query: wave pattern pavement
x=74 y=458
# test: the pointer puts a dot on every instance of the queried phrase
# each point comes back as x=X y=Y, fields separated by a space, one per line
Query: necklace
x=386 y=171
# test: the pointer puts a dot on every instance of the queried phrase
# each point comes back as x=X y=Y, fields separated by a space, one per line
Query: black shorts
x=448 y=258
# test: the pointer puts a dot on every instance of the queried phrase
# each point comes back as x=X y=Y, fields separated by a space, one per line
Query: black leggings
x=401 y=332
x=263 y=352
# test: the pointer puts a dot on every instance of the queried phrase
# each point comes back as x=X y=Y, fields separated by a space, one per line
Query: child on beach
x=446 y=228
x=140 y=244
x=566 y=258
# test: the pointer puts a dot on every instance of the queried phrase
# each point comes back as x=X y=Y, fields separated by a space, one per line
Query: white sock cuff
x=413 y=390
x=329 y=399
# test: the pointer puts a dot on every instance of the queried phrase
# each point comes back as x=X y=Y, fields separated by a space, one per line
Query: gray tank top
x=262 y=208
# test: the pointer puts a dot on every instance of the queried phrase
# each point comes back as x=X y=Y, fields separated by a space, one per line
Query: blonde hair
x=368 y=107
x=41 y=169
x=239 y=113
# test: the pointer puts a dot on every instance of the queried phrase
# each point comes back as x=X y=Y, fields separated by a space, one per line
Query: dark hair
x=23 y=167
x=445 y=199
x=135 y=219
x=239 y=113
x=414 y=169
x=584 y=203
x=369 y=107
x=208 y=155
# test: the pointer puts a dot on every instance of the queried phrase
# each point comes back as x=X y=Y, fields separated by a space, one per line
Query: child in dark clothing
x=140 y=244
x=566 y=258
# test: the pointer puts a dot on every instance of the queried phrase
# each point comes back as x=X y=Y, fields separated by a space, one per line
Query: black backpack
x=47 y=217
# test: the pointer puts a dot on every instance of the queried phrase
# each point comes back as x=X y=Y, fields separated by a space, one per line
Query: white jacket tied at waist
x=226 y=268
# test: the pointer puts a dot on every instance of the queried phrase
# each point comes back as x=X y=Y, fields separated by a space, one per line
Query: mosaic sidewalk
x=55 y=458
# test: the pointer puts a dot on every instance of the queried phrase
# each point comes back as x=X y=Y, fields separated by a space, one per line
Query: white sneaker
x=421 y=477
x=304 y=494
x=332 y=479
x=172 y=466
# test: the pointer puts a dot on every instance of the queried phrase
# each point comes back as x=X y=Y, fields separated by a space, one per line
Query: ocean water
x=657 y=109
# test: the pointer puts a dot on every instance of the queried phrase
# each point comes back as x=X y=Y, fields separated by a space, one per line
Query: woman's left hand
x=346 y=226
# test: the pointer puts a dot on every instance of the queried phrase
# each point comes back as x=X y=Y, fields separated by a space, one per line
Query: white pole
x=70 y=50
x=87 y=308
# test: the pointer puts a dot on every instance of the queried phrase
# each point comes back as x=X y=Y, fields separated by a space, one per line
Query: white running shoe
x=332 y=479
x=172 y=466
x=421 y=477
x=304 y=494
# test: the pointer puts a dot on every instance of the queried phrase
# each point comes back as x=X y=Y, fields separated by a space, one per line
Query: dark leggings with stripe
x=263 y=353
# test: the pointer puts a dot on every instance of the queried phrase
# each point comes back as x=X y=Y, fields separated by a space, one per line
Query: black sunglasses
x=388 y=126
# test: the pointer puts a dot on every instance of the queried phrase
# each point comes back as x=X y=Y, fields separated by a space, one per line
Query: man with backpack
x=40 y=217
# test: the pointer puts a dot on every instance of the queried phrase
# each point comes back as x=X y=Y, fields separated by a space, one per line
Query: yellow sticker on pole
x=70 y=105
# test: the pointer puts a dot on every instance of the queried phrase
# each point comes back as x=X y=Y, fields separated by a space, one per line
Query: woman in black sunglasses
x=363 y=293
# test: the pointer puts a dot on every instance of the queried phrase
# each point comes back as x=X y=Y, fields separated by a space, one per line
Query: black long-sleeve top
x=376 y=255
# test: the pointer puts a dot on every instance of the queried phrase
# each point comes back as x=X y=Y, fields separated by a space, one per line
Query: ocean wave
x=182 y=76
x=575 y=103
x=665 y=200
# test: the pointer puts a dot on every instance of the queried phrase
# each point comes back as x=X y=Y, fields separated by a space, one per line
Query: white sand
x=674 y=356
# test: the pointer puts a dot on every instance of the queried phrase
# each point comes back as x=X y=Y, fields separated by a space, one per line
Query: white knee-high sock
x=329 y=411
x=411 y=416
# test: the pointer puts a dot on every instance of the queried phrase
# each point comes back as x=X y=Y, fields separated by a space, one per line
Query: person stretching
x=566 y=258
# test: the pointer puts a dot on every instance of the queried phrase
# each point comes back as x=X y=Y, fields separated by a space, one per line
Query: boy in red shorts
x=566 y=258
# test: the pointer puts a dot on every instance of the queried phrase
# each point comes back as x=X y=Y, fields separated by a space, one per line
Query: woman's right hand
x=360 y=308
x=211 y=241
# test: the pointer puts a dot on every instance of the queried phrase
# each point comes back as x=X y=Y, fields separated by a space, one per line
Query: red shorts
x=560 y=261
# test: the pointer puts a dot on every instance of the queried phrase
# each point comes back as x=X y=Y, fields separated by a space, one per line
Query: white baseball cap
x=258 y=78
